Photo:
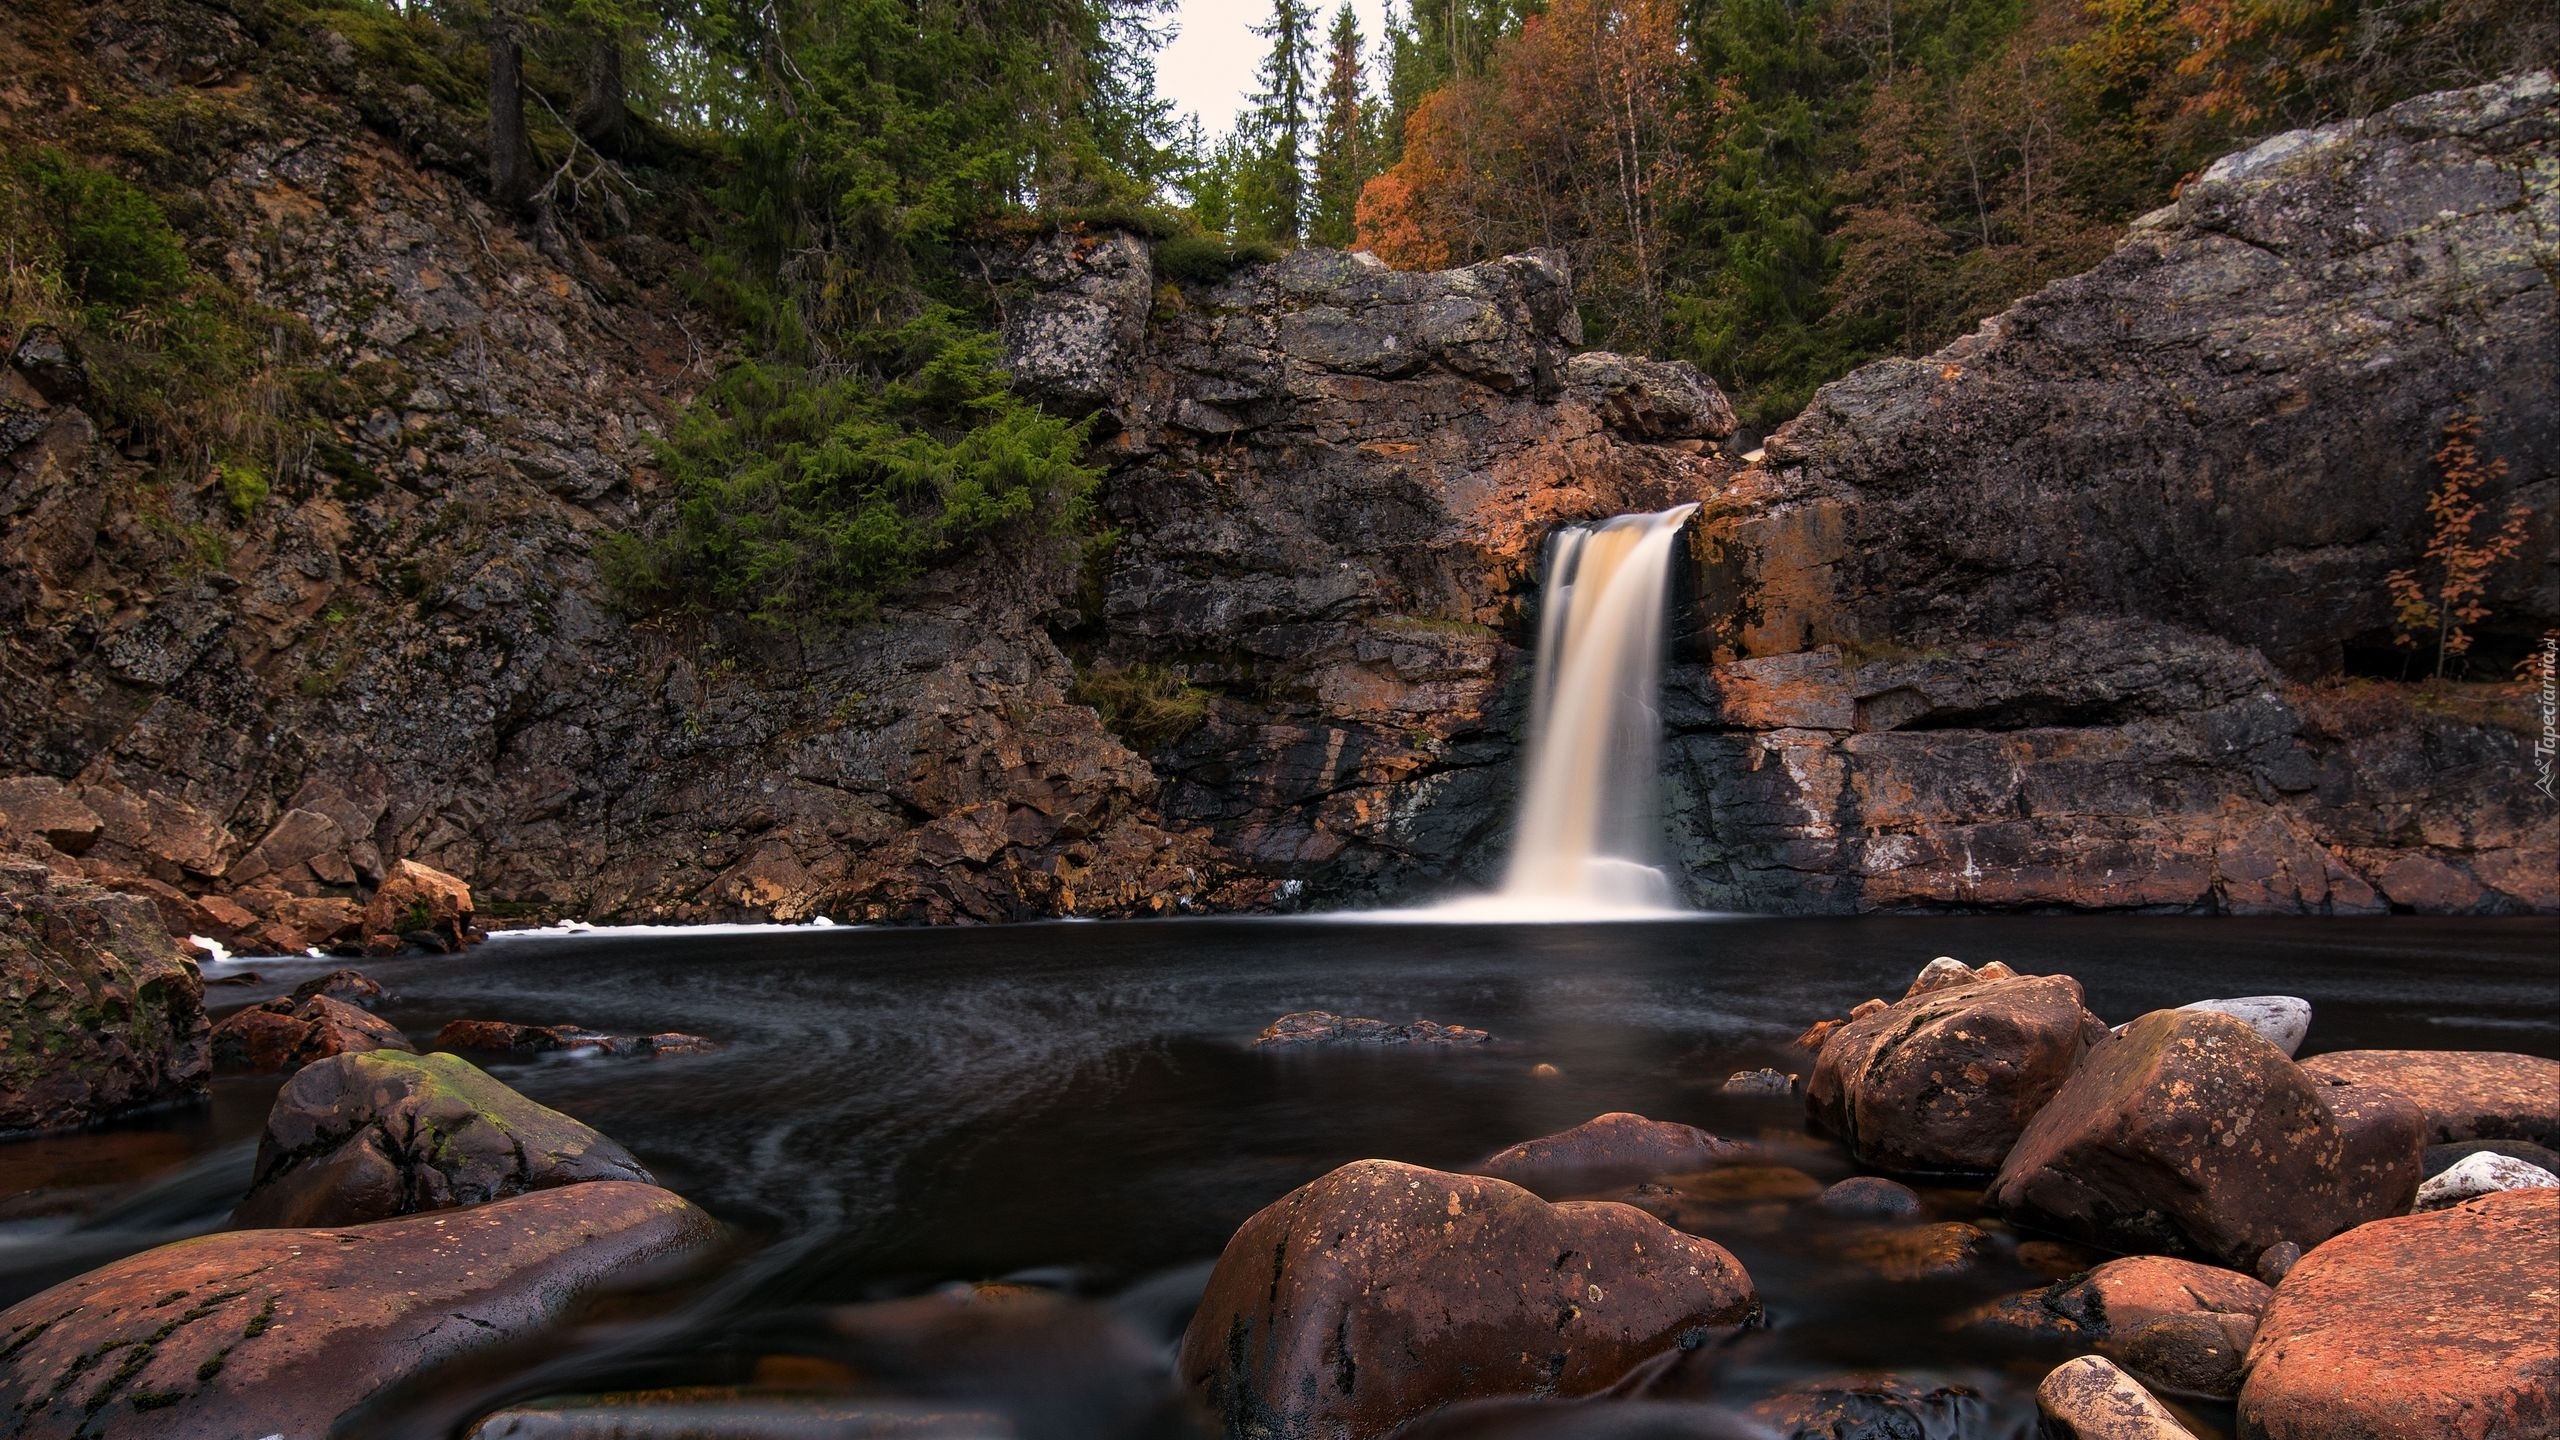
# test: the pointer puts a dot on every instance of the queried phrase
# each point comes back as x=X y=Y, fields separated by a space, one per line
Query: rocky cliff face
x=2041 y=621
x=2070 y=612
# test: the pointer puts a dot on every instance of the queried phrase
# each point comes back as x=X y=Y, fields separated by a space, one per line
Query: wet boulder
x=369 y=1136
x=1947 y=1079
x=2090 y=1399
x=1871 y=1197
x=347 y=987
x=100 y=1012
x=2487 y=1173
x=1323 y=1027
x=1763 y=1081
x=2381 y=1147
x=2466 y=1094
x=2283 y=1019
x=1383 y=1292
x=2178 y=1325
x=1608 y=1152
x=287 y=1034
x=505 y=1037
x=418 y=905
x=1949 y=973
x=286 y=1332
x=2190 y=1133
x=2423 y=1327
x=1872 y=1407
x=1917 y=1252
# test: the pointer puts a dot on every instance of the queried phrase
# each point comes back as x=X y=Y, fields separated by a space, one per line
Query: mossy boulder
x=100 y=1012
x=377 y=1134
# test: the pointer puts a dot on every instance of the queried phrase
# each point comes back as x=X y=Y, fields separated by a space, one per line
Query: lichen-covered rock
x=1608 y=1152
x=288 y=1033
x=2486 y=1174
x=101 y=1013
x=2443 y=1326
x=286 y=1332
x=1651 y=399
x=2190 y=1133
x=1947 y=1079
x=2465 y=1094
x=2283 y=1019
x=1382 y=1292
x=2177 y=1324
x=370 y=1136
x=2090 y=1399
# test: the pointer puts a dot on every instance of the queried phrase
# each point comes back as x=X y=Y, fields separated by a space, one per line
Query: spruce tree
x=1343 y=149
x=1275 y=196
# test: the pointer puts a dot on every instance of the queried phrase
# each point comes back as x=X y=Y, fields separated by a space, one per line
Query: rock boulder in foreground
x=1382 y=1292
x=2191 y=1133
x=100 y=1014
x=2427 y=1327
x=1947 y=1079
x=370 y=1136
x=283 y=1332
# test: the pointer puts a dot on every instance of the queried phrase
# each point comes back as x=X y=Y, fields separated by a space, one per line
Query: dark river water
x=1078 y=1106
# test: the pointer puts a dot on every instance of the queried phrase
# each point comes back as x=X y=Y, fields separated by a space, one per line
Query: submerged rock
x=1758 y=1082
x=1947 y=1079
x=1918 y=1252
x=1608 y=1152
x=508 y=1038
x=286 y=1034
x=286 y=1332
x=370 y=1136
x=1383 y=1292
x=1871 y=1197
x=2283 y=1019
x=349 y=987
x=2090 y=1399
x=1872 y=1407
x=2484 y=1174
x=2466 y=1094
x=2190 y=1132
x=101 y=1014
x=1323 y=1027
x=2424 y=1327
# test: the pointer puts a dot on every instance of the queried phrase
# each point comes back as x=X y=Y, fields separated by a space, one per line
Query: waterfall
x=1589 y=831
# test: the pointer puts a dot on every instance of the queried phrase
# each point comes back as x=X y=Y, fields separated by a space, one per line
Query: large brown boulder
x=288 y=1033
x=283 y=1332
x=1947 y=1079
x=1382 y=1292
x=2443 y=1326
x=2466 y=1094
x=100 y=1012
x=2177 y=1324
x=369 y=1136
x=418 y=901
x=1608 y=1152
x=2190 y=1132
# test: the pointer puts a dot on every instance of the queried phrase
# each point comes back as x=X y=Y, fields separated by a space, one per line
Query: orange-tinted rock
x=1917 y=1252
x=2465 y=1094
x=1608 y=1152
x=348 y=987
x=2178 y=1325
x=285 y=1033
x=266 y=1332
x=1948 y=1079
x=2381 y=1147
x=2444 y=1326
x=415 y=899
x=1382 y=1292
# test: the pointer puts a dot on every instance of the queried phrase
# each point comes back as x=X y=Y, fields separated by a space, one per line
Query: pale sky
x=1208 y=69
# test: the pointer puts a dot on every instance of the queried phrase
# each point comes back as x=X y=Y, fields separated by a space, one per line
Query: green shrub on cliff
x=118 y=252
x=804 y=497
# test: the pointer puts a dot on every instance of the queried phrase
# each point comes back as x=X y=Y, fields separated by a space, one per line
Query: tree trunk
x=603 y=120
x=510 y=152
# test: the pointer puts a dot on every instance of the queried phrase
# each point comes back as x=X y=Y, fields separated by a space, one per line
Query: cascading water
x=1589 y=829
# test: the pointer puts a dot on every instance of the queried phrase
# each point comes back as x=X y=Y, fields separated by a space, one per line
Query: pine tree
x=1274 y=197
x=1344 y=149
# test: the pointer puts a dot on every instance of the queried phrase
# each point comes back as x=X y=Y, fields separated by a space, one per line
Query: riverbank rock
x=370 y=1136
x=2191 y=1133
x=1947 y=1079
x=2440 y=1158
x=1382 y=1292
x=286 y=1034
x=2466 y=1094
x=2283 y=1019
x=418 y=905
x=2090 y=1399
x=508 y=1038
x=1323 y=1027
x=1608 y=1152
x=2483 y=1174
x=101 y=1014
x=2427 y=1327
x=1949 y=973
x=284 y=1332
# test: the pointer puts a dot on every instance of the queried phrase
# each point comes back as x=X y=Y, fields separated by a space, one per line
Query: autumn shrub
x=2439 y=599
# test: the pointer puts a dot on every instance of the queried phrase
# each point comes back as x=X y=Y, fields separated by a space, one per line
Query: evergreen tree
x=1345 y=148
x=1273 y=194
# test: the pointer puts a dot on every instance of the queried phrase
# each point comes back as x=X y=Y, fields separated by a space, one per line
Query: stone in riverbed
x=2440 y=1158
x=2283 y=1019
x=1323 y=1027
x=1870 y=1407
x=101 y=1014
x=1949 y=973
x=509 y=1038
x=2466 y=1094
x=1918 y=1252
x=2176 y=1324
x=284 y=1332
x=2482 y=1174
x=370 y=1136
x=1947 y=1079
x=2090 y=1399
x=1383 y=1292
x=418 y=904
x=2191 y=1133
x=1608 y=1152
x=2423 y=1327
x=1758 y=1082
x=286 y=1034
x=1871 y=1197
x=350 y=987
